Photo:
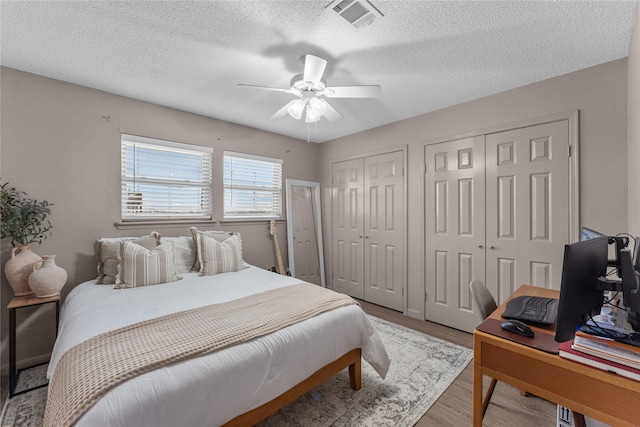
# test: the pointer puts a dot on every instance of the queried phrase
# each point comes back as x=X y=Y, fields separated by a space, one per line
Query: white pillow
x=107 y=250
x=219 y=235
x=219 y=257
x=140 y=266
x=184 y=252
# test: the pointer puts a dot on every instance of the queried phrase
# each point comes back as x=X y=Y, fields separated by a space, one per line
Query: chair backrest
x=484 y=299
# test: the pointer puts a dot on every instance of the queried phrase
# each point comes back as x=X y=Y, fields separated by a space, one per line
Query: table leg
x=12 y=352
x=477 y=395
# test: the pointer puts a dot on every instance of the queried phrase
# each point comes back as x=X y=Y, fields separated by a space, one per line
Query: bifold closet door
x=384 y=225
x=528 y=197
x=496 y=209
x=348 y=228
x=454 y=229
x=369 y=229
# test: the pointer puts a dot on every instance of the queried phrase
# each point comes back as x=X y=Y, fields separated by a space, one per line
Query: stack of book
x=603 y=353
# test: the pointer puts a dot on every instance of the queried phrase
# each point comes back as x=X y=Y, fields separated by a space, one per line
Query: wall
x=599 y=93
x=633 y=84
x=61 y=143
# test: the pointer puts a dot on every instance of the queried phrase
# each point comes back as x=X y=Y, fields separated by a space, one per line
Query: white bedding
x=210 y=390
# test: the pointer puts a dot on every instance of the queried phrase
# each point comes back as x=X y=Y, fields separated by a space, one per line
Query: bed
x=236 y=385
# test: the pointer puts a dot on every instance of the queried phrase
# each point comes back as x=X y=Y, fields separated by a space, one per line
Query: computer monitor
x=631 y=288
x=580 y=296
x=588 y=234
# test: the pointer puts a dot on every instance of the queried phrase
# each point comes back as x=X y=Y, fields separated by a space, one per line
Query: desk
x=14 y=304
x=592 y=392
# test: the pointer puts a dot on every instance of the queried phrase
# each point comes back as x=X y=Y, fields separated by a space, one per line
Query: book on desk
x=567 y=350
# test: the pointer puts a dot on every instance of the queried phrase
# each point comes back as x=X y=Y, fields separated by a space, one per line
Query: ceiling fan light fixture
x=296 y=108
x=311 y=117
x=317 y=106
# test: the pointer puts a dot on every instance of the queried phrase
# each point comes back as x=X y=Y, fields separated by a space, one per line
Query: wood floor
x=507 y=409
x=454 y=408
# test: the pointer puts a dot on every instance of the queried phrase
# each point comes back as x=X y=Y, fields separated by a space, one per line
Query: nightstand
x=15 y=304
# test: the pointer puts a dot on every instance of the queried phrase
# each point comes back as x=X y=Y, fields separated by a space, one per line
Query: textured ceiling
x=426 y=55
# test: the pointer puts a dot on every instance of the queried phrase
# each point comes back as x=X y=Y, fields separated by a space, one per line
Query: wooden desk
x=14 y=304
x=592 y=392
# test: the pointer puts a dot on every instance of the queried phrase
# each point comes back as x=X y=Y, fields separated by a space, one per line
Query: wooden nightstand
x=16 y=303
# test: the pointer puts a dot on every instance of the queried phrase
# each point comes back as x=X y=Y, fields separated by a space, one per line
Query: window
x=165 y=180
x=252 y=186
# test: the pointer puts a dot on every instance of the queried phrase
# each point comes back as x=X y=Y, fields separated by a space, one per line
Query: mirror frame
x=315 y=193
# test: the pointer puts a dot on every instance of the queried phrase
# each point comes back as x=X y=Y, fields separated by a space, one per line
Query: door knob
x=492 y=247
x=480 y=246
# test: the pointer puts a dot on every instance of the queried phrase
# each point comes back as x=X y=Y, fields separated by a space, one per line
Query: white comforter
x=210 y=390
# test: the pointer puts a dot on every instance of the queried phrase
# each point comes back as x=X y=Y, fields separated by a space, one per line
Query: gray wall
x=61 y=143
x=633 y=83
x=599 y=93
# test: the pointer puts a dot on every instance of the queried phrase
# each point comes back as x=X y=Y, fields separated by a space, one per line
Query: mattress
x=215 y=388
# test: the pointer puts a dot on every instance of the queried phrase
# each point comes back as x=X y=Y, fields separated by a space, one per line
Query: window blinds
x=165 y=180
x=252 y=186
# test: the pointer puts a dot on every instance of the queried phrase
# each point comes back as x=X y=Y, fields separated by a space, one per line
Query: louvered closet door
x=454 y=229
x=528 y=195
x=384 y=225
x=348 y=228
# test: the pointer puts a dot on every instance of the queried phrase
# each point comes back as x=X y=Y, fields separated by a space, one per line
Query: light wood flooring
x=507 y=409
x=454 y=408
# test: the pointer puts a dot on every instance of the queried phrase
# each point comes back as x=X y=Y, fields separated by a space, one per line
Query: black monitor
x=588 y=234
x=580 y=296
x=631 y=288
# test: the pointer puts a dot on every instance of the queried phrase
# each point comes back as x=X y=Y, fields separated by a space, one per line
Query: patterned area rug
x=422 y=367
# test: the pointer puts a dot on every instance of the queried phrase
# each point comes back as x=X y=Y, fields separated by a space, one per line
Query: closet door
x=454 y=229
x=528 y=197
x=348 y=228
x=384 y=226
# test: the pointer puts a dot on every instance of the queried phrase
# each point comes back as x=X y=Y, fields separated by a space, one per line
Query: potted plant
x=24 y=221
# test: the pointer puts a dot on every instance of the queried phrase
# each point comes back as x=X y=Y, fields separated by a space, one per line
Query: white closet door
x=384 y=225
x=528 y=197
x=348 y=228
x=454 y=229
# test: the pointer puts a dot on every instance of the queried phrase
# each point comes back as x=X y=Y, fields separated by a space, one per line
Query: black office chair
x=486 y=305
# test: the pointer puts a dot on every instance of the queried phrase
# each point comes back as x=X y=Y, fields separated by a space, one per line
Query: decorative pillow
x=219 y=257
x=140 y=266
x=219 y=235
x=107 y=250
x=184 y=252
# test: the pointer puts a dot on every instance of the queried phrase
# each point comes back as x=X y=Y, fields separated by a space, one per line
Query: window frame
x=277 y=190
x=204 y=184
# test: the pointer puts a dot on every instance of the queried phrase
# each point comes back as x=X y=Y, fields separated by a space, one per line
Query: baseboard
x=25 y=363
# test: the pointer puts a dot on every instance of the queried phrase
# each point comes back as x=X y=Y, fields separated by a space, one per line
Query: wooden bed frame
x=351 y=360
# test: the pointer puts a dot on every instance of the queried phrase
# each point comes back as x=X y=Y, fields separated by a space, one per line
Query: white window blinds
x=252 y=186
x=165 y=180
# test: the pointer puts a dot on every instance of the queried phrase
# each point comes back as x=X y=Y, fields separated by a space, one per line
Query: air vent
x=356 y=12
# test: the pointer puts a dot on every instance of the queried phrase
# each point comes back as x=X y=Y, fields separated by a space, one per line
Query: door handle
x=480 y=246
x=492 y=247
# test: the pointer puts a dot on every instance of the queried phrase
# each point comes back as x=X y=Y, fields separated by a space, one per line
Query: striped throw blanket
x=89 y=370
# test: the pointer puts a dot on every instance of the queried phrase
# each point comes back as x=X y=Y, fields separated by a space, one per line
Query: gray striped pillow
x=140 y=266
x=219 y=257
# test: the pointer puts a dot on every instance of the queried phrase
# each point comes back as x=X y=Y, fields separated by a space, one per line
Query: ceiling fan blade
x=331 y=114
x=313 y=68
x=352 y=91
x=276 y=89
x=281 y=112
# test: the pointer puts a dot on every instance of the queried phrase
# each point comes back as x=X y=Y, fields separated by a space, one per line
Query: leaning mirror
x=304 y=231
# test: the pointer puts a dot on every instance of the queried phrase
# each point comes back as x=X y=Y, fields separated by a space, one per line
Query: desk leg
x=477 y=394
x=12 y=351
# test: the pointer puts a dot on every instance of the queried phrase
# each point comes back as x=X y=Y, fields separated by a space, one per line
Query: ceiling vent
x=358 y=13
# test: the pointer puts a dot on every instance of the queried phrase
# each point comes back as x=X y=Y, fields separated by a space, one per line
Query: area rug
x=422 y=367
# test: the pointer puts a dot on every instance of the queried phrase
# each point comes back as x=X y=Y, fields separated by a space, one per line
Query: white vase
x=18 y=269
x=47 y=278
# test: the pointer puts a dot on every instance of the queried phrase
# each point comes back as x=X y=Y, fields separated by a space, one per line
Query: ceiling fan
x=309 y=87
